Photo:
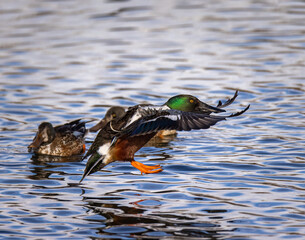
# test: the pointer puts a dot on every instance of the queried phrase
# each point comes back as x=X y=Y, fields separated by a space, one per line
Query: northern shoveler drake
x=198 y=106
x=120 y=139
x=63 y=140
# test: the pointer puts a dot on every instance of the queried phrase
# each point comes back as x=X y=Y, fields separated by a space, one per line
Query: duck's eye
x=191 y=100
x=113 y=115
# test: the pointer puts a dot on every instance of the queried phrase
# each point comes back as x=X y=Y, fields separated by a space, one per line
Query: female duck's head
x=111 y=114
x=189 y=103
x=45 y=135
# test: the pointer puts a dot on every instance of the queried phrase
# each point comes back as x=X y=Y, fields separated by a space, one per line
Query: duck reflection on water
x=115 y=216
x=44 y=166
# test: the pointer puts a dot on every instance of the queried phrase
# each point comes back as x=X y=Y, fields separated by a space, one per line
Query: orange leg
x=144 y=168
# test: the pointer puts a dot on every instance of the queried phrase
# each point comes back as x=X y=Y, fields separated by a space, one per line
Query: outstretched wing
x=174 y=120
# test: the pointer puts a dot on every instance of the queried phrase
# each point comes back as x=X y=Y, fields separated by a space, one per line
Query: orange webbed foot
x=144 y=168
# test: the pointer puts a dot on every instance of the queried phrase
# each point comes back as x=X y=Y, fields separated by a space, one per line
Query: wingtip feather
x=240 y=112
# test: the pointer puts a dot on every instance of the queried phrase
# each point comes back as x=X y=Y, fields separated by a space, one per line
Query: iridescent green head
x=186 y=103
x=189 y=103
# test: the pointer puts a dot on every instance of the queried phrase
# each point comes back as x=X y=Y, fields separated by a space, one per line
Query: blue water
x=241 y=179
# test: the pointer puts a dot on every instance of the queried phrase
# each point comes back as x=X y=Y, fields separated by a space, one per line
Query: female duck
x=64 y=140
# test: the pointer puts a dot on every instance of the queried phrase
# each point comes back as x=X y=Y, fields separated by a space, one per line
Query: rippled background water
x=242 y=179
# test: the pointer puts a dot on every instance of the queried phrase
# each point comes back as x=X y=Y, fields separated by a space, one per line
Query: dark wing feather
x=74 y=126
x=228 y=102
x=239 y=113
x=142 y=126
x=94 y=164
x=98 y=141
x=197 y=121
x=67 y=126
x=174 y=120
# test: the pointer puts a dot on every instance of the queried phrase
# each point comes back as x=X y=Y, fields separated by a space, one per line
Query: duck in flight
x=121 y=138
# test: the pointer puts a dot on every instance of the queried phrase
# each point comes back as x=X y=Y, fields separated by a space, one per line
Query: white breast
x=103 y=150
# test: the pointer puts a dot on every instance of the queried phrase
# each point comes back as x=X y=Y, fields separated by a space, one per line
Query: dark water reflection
x=241 y=179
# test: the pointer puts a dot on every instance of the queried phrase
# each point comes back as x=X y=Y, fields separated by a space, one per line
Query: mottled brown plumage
x=64 y=140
